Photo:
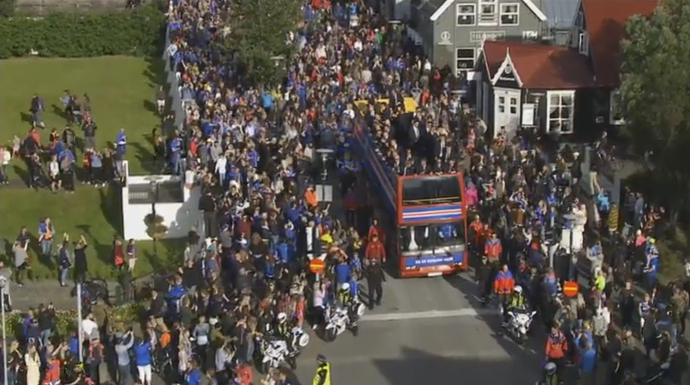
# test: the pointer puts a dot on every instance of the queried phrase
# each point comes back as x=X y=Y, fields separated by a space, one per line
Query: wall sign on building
x=445 y=38
x=529 y=35
x=507 y=78
x=480 y=36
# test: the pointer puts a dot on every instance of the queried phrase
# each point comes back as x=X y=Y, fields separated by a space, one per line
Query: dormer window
x=583 y=43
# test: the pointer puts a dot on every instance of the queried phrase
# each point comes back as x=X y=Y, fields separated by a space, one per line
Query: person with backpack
x=142 y=354
x=94 y=358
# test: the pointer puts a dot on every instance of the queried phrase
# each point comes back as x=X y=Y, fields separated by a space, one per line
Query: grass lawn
x=122 y=91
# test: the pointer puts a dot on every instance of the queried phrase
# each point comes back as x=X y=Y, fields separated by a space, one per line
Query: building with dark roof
x=559 y=89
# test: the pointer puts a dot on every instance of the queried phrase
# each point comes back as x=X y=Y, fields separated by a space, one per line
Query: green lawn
x=122 y=91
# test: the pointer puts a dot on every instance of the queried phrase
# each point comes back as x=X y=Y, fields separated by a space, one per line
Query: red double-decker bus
x=424 y=215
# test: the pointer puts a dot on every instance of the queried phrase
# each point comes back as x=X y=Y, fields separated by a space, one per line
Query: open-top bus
x=424 y=215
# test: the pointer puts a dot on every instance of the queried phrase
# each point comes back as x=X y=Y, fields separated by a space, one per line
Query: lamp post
x=3 y=284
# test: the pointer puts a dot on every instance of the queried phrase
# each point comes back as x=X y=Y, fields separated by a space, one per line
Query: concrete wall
x=44 y=7
x=178 y=217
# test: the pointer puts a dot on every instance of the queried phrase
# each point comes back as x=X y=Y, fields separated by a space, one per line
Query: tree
x=258 y=34
x=656 y=96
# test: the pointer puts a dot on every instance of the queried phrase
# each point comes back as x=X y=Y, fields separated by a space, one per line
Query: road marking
x=428 y=315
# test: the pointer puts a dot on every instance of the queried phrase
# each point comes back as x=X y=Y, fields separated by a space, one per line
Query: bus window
x=450 y=234
x=430 y=190
x=421 y=236
x=433 y=236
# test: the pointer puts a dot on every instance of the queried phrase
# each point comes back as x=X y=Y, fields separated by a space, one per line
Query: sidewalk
x=44 y=292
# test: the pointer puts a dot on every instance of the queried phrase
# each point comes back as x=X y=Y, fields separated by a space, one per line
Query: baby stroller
x=39 y=179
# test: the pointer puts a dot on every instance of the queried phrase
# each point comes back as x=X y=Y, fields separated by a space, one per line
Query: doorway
x=506 y=111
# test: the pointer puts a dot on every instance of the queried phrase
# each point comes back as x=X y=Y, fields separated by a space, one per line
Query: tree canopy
x=656 y=96
x=258 y=33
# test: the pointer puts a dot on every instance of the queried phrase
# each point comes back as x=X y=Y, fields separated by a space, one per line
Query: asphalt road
x=428 y=330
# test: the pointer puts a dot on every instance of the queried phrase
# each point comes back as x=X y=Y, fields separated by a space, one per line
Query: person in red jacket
x=375 y=249
x=493 y=249
x=504 y=283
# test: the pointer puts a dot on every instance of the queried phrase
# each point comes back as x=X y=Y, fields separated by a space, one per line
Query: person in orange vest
x=476 y=229
x=493 y=249
x=53 y=368
x=375 y=229
x=556 y=349
x=375 y=249
x=310 y=198
x=504 y=283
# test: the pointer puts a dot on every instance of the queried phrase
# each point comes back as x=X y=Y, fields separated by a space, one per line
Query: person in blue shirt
x=121 y=142
x=652 y=267
x=193 y=375
x=588 y=362
x=175 y=156
x=142 y=355
x=342 y=272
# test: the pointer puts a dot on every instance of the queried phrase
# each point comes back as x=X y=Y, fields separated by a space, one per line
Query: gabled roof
x=539 y=66
x=605 y=20
x=443 y=6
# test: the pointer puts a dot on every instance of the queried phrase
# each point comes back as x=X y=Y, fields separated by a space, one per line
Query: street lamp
x=3 y=285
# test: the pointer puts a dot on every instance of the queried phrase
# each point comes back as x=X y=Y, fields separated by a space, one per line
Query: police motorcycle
x=519 y=321
x=299 y=340
x=339 y=319
x=273 y=353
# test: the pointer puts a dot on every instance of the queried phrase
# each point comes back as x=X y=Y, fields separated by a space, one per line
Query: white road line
x=428 y=315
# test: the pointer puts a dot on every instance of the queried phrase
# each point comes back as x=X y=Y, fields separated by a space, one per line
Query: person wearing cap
x=323 y=371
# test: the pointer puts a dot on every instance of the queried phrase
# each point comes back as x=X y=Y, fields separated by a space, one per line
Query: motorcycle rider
x=282 y=329
x=517 y=302
x=323 y=371
x=346 y=300
x=549 y=376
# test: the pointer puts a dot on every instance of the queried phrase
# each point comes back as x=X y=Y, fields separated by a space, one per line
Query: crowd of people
x=51 y=158
x=252 y=152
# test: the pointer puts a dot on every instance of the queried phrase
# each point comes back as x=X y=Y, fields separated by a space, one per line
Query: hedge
x=134 y=32
x=122 y=316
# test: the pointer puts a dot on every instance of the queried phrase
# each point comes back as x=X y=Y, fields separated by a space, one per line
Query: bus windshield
x=429 y=190
x=432 y=238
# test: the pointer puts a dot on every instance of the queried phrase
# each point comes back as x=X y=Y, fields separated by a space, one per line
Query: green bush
x=136 y=32
x=7 y=7
x=671 y=266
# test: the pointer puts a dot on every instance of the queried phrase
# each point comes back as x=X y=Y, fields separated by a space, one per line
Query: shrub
x=136 y=32
x=7 y=7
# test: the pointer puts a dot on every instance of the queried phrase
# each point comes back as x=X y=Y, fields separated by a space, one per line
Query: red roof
x=605 y=21
x=541 y=66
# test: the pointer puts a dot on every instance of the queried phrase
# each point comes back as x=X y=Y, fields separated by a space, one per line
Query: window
x=616 y=107
x=430 y=238
x=510 y=14
x=488 y=14
x=561 y=106
x=580 y=20
x=428 y=190
x=513 y=106
x=501 y=104
x=464 y=60
x=466 y=14
x=583 y=43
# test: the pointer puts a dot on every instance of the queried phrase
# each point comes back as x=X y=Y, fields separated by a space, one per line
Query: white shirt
x=53 y=168
x=89 y=327
x=220 y=165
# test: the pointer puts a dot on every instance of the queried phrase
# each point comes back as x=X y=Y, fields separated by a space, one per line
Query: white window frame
x=583 y=43
x=488 y=19
x=459 y=70
x=516 y=14
x=473 y=14
x=616 y=98
x=558 y=107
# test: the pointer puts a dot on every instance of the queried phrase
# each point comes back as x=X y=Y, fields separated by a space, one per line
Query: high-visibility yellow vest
x=323 y=371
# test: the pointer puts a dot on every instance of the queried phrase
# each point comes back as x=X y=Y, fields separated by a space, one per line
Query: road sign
x=316 y=266
x=570 y=288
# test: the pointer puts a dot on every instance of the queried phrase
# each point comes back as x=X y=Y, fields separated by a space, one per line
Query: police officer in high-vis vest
x=550 y=376
x=323 y=371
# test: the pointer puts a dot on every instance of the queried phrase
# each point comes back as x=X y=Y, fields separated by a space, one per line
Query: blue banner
x=434 y=260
